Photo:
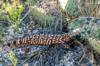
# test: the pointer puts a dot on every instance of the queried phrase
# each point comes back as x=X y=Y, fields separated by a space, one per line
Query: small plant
x=91 y=31
x=31 y=2
x=2 y=28
x=95 y=43
x=43 y=20
x=71 y=8
x=11 y=56
x=14 y=11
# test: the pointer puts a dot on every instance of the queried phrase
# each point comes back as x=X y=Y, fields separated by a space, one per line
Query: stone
x=26 y=64
x=1 y=65
x=63 y=3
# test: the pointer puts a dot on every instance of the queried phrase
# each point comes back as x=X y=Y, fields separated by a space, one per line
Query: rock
x=26 y=64
x=9 y=65
x=1 y=65
x=63 y=3
x=98 y=22
x=56 y=56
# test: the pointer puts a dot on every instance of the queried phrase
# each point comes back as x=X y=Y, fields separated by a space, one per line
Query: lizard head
x=11 y=43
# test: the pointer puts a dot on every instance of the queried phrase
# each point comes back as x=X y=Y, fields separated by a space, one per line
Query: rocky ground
x=55 y=55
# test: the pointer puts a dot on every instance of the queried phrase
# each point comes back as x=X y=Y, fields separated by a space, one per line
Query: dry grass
x=95 y=44
x=89 y=7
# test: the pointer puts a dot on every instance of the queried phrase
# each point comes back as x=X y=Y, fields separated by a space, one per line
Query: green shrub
x=13 y=13
x=2 y=28
x=43 y=20
x=11 y=56
x=31 y=2
x=71 y=8
x=91 y=31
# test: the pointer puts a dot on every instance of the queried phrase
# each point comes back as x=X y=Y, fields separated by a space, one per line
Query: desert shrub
x=71 y=8
x=31 y=2
x=42 y=20
x=91 y=31
x=13 y=13
x=12 y=57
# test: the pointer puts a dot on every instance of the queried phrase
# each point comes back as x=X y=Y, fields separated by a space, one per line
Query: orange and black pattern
x=40 y=39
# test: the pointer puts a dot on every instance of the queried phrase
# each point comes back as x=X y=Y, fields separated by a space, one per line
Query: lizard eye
x=9 y=44
x=14 y=42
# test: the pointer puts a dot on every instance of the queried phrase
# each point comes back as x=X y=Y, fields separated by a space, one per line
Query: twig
x=32 y=55
x=25 y=15
x=83 y=56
